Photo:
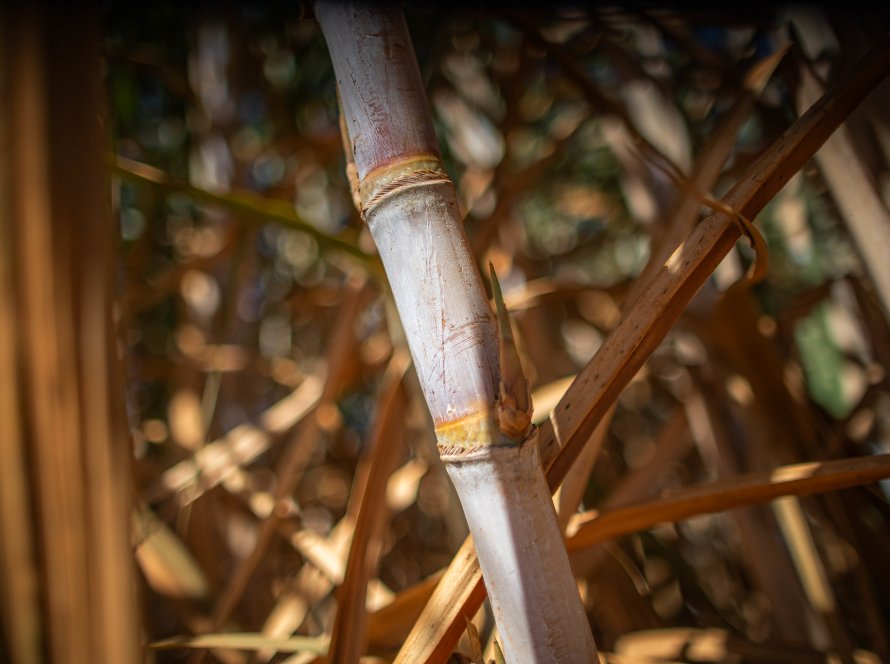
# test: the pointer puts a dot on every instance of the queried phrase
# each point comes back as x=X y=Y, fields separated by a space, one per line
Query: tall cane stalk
x=464 y=356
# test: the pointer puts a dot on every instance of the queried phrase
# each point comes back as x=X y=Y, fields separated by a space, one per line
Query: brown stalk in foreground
x=68 y=588
x=460 y=591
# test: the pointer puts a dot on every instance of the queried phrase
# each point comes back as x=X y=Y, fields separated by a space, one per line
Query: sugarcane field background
x=213 y=443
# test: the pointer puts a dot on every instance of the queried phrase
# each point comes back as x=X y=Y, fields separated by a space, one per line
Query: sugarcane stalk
x=464 y=357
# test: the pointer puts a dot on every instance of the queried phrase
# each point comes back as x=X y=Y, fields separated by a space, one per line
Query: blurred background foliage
x=256 y=351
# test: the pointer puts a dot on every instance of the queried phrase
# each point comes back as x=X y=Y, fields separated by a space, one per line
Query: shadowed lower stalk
x=469 y=373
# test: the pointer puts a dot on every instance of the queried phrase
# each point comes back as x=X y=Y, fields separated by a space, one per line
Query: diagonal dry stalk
x=641 y=330
x=348 y=638
x=706 y=170
x=755 y=488
x=467 y=364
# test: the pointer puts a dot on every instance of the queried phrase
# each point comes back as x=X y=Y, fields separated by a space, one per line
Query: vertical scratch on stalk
x=434 y=274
